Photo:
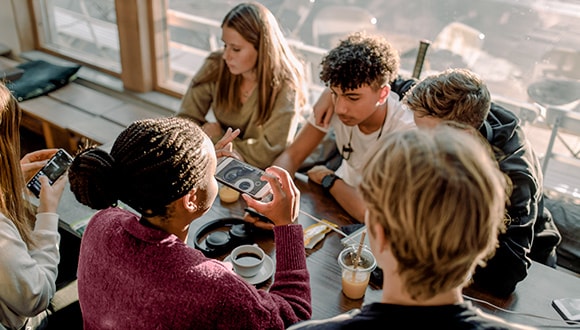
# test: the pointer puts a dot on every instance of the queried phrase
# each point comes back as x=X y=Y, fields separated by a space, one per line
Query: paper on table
x=316 y=232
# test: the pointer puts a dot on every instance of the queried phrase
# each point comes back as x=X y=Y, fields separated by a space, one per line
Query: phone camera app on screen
x=246 y=179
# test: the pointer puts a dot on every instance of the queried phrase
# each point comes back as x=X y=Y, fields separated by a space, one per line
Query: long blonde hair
x=276 y=61
x=13 y=203
x=440 y=199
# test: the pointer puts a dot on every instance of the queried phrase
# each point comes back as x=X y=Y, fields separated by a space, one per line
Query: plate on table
x=263 y=274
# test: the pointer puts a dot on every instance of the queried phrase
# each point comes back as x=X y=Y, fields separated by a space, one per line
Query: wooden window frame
x=135 y=24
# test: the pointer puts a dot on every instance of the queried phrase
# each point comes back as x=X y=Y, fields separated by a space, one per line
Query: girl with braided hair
x=29 y=238
x=138 y=272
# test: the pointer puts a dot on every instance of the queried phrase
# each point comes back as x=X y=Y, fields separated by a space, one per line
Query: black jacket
x=517 y=159
x=388 y=316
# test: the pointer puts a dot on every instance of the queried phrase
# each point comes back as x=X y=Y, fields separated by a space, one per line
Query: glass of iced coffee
x=356 y=271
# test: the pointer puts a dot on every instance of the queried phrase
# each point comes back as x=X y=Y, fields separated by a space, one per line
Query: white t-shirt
x=399 y=117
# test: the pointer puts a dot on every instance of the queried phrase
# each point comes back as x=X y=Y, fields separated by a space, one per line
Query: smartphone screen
x=568 y=308
x=243 y=177
x=53 y=169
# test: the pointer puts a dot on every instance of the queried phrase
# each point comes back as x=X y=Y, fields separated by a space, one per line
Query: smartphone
x=53 y=169
x=258 y=215
x=568 y=308
x=242 y=177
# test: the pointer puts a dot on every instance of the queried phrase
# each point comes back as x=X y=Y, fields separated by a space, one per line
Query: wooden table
x=325 y=277
x=532 y=296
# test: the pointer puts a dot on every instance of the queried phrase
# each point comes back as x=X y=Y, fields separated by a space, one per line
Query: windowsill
x=165 y=104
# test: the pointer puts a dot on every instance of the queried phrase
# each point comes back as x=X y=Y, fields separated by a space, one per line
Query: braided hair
x=152 y=163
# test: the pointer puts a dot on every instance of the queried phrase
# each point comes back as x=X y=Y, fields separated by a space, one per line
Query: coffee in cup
x=356 y=279
x=247 y=260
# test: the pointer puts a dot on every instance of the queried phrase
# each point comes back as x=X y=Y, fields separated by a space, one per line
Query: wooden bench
x=76 y=115
x=65 y=126
x=54 y=119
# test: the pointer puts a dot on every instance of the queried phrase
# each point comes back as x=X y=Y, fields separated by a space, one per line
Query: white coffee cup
x=247 y=260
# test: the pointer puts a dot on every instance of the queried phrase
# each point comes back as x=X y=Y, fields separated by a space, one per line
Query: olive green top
x=258 y=144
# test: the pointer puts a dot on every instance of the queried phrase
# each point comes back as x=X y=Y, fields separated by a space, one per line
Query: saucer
x=263 y=274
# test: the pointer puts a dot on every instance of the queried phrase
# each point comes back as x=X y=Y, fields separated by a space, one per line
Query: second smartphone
x=242 y=177
x=53 y=169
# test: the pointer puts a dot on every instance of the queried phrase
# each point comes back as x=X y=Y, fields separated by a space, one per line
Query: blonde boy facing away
x=435 y=204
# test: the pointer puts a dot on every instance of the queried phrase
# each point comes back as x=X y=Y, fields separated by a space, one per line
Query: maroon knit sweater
x=134 y=277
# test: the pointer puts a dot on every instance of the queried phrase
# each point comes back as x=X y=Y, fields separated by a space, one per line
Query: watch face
x=328 y=181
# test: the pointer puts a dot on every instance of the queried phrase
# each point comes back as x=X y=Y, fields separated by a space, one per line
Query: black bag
x=401 y=85
x=40 y=78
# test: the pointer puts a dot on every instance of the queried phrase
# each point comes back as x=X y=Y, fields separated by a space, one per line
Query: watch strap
x=328 y=181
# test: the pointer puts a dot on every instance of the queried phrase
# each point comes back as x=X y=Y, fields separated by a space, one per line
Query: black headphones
x=222 y=235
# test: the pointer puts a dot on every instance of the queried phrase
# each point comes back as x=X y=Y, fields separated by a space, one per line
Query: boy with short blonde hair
x=435 y=204
x=461 y=96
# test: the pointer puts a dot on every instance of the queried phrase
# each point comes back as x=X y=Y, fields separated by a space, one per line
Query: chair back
x=462 y=40
x=334 y=22
x=563 y=174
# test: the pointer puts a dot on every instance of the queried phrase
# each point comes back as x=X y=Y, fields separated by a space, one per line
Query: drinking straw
x=324 y=223
x=358 y=252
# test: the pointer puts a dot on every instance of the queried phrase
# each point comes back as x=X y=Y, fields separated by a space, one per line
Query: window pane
x=85 y=30
x=517 y=46
x=194 y=31
x=512 y=45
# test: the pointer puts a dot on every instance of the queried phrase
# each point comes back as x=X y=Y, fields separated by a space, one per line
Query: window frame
x=135 y=42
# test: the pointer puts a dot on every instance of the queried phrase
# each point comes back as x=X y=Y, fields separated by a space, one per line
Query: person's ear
x=379 y=237
x=384 y=94
x=376 y=230
x=189 y=201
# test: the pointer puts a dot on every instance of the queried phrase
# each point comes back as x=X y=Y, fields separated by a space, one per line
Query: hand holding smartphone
x=56 y=166
x=242 y=177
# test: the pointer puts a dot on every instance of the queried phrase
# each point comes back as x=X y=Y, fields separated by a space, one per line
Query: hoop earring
x=192 y=206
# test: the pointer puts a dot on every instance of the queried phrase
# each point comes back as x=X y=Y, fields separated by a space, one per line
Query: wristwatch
x=328 y=181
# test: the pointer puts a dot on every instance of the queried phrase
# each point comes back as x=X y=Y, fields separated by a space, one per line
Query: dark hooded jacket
x=527 y=217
